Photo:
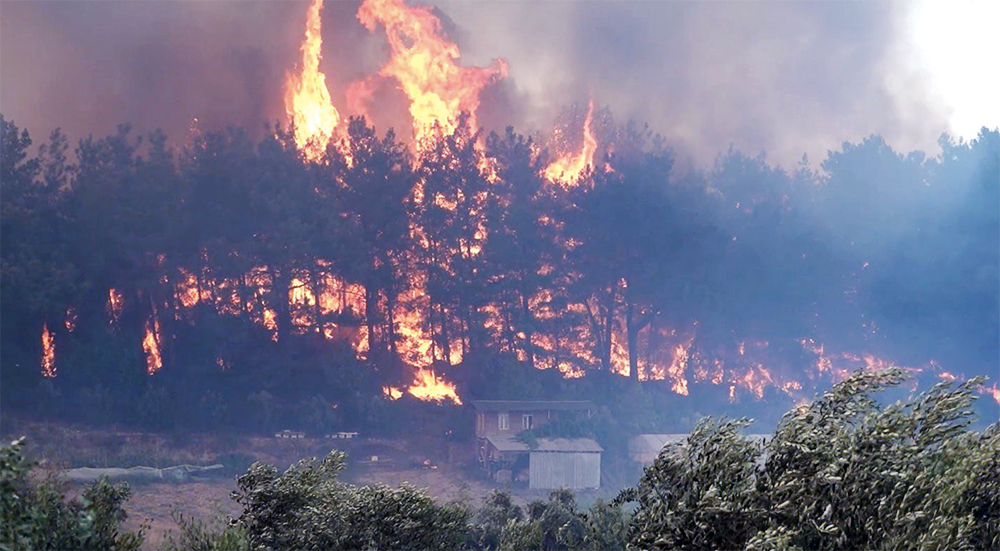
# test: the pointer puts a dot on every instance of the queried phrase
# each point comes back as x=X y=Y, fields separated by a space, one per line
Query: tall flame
x=116 y=302
x=151 y=344
x=48 y=353
x=567 y=169
x=307 y=99
x=423 y=62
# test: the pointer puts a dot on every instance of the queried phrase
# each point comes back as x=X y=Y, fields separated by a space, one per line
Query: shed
x=573 y=463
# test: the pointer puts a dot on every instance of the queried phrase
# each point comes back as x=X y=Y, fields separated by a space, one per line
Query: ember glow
x=71 y=319
x=48 y=353
x=307 y=98
x=116 y=302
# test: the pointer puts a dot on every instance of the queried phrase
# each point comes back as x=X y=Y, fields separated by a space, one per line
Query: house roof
x=536 y=405
x=653 y=443
x=578 y=445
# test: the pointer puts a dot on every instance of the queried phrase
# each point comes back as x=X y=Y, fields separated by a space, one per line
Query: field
x=446 y=470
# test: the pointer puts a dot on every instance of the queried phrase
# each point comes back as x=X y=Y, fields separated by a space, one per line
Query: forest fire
x=48 y=353
x=307 y=98
x=475 y=259
x=566 y=170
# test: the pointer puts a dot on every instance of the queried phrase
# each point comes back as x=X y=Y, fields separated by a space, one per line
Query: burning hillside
x=417 y=260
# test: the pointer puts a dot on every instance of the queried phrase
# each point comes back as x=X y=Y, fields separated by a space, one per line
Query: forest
x=223 y=280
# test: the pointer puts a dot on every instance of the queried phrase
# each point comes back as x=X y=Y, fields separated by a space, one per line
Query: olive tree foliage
x=843 y=472
x=552 y=525
x=308 y=507
x=37 y=516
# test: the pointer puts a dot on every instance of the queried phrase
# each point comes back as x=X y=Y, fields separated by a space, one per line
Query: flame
x=567 y=169
x=307 y=99
x=428 y=386
x=71 y=318
x=187 y=290
x=392 y=393
x=423 y=62
x=116 y=303
x=151 y=344
x=678 y=367
x=992 y=391
x=48 y=353
x=270 y=322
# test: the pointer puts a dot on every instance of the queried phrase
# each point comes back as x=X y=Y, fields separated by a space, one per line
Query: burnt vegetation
x=230 y=284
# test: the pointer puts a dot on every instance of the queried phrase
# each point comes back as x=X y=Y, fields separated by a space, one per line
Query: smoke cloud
x=785 y=78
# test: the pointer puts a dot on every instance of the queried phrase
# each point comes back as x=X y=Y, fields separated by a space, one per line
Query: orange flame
x=187 y=290
x=307 y=99
x=567 y=169
x=48 y=353
x=71 y=318
x=427 y=386
x=116 y=302
x=151 y=344
x=992 y=391
x=423 y=62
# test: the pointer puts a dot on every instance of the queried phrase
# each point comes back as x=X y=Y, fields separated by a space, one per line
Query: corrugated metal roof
x=537 y=405
x=510 y=444
x=653 y=443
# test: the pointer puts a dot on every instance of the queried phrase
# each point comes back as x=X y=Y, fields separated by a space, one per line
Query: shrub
x=307 y=507
x=841 y=473
x=36 y=515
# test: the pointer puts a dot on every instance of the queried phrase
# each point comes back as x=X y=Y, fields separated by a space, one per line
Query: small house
x=506 y=417
x=545 y=463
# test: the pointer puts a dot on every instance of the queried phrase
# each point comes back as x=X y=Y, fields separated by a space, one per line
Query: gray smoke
x=781 y=77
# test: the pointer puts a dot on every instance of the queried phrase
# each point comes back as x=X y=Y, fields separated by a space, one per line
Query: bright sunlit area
x=957 y=42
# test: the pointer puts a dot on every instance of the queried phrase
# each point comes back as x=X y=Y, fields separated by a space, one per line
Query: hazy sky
x=780 y=77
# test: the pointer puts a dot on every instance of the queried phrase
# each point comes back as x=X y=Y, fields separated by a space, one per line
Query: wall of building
x=573 y=470
x=488 y=422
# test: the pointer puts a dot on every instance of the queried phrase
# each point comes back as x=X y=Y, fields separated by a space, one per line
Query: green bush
x=552 y=525
x=196 y=535
x=36 y=516
x=307 y=507
x=841 y=473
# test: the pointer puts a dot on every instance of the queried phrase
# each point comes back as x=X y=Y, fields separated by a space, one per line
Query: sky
x=781 y=77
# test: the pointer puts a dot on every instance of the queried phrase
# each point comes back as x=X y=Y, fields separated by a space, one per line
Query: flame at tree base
x=427 y=386
x=48 y=353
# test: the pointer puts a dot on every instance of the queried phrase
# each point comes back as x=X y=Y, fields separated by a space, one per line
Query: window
x=503 y=420
x=527 y=422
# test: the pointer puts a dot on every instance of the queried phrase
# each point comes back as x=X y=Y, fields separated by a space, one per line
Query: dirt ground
x=445 y=470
